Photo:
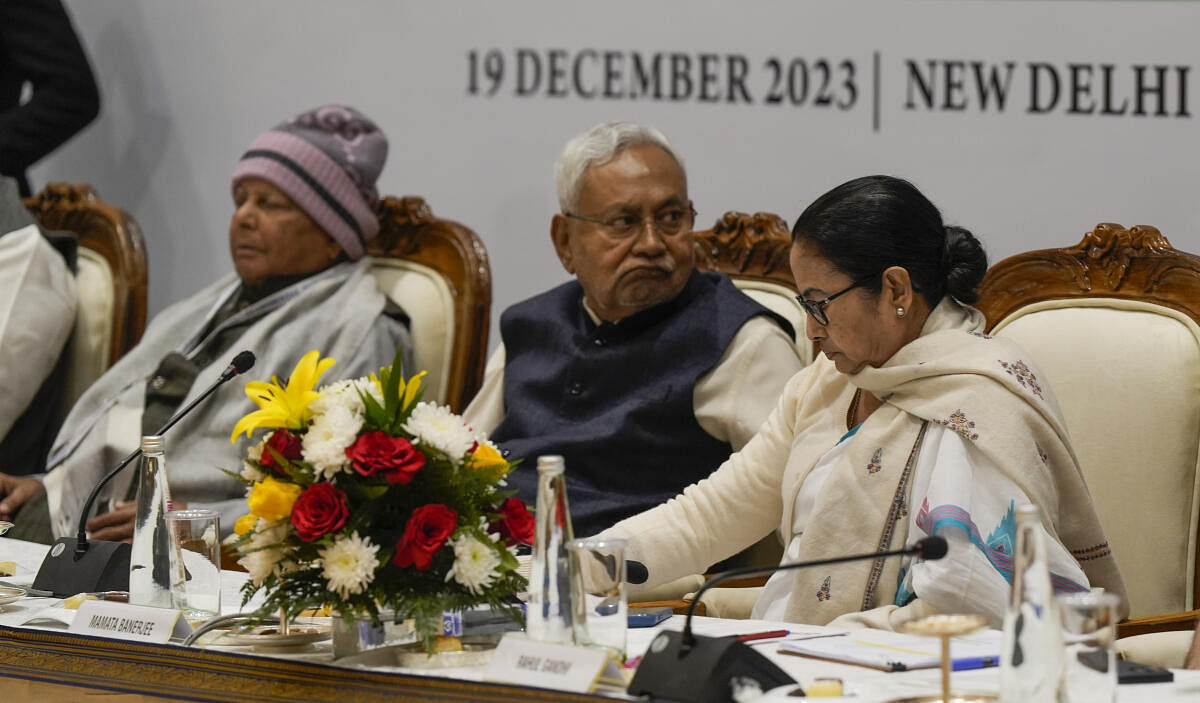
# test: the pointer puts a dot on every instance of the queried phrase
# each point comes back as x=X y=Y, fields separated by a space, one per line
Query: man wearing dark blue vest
x=644 y=373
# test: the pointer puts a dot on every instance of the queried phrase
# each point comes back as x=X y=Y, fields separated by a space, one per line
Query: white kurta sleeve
x=486 y=410
x=734 y=507
x=734 y=399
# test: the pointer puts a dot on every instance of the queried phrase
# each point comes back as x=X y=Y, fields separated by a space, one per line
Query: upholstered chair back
x=753 y=251
x=1112 y=323
x=438 y=272
x=110 y=280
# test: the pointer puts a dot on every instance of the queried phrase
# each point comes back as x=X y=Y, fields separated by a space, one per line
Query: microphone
x=636 y=572
x=681 y=666
x=81 y=566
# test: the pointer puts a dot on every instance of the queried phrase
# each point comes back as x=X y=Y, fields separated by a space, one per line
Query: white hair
x=598 y=146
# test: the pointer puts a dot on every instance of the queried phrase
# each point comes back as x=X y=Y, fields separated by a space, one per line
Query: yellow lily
x=284 y=407
x=409 y=390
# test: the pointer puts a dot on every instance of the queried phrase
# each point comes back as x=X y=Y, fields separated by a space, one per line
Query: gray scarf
x=332 y=311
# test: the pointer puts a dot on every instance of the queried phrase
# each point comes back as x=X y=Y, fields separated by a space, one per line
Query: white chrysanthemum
x=250 y=472
x=324 y=445
x=436 y=427
x=475 y=564
x=262 y=562
x=346 y=394
x=349 y=565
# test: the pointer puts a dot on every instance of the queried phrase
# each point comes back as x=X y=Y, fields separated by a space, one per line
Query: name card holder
x=123 y=621
x=562 y=667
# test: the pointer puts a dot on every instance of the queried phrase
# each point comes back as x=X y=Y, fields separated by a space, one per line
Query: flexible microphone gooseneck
x=240 y=364
x=929 y=548
x=681 y=666
x=104 y=566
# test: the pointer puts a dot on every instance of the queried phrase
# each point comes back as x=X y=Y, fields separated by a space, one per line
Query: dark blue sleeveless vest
x=616 y=399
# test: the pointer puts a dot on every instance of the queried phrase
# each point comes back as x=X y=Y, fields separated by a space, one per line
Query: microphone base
x=704 y=674
x=103 y=567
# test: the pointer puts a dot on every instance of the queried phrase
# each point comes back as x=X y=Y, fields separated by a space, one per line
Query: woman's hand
x=116 y=525
x=16 y=491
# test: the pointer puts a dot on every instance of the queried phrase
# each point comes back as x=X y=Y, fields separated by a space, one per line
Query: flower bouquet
x=363 y=497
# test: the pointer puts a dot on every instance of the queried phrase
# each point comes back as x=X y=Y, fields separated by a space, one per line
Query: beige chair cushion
x=1133 y=366
x=1166 y=649
x=91 y=340
x=781 y=301
x=429 y=304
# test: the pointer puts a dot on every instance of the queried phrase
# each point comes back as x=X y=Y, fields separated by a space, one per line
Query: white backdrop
x=187 y=85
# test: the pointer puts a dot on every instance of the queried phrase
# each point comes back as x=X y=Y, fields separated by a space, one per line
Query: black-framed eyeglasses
x=668 y=221
x=816 y=308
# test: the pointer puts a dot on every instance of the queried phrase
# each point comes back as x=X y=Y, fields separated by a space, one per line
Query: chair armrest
x=1185 y=620
x=678 y=605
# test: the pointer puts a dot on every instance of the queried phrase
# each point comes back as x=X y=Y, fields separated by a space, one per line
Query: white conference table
x=862 y=685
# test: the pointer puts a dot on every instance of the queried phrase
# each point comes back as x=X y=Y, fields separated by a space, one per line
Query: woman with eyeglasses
x=914 y=423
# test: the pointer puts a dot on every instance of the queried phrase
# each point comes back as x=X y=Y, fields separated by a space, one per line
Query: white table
x=864 y=685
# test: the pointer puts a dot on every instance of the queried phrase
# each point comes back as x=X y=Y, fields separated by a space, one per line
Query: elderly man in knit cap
x=304 y=210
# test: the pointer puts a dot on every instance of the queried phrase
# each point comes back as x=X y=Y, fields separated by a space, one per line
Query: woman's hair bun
x=966 y=264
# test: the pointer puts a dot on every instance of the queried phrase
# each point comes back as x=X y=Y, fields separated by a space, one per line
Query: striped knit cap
x=327 y=161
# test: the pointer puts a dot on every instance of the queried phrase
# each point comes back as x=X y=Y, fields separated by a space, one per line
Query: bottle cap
x=1029 y=512
x=550 y=462
x=153 y=443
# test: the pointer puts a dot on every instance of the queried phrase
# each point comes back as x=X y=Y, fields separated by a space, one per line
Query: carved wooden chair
x=438 y=271
x=1114 y=324
x=110 y=281
x=753 y=251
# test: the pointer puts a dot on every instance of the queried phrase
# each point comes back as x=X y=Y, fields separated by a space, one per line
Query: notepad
x=894 y=651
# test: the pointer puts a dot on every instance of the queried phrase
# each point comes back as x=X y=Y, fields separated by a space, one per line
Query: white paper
x=895 y=650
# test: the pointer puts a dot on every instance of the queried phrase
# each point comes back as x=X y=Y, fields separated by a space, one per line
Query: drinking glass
x=196 y=562
x=1089 y=622
x=600 y=612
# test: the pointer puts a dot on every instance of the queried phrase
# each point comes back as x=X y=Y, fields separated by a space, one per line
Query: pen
x=769 y=634
x=967 y=663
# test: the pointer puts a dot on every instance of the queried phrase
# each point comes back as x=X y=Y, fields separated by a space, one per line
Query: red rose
x=517 y=524
x=377 y=452
x=426 y=532
x=287 y=444
x=319 y=510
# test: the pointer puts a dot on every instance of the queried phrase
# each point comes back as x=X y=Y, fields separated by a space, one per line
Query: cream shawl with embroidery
x=984 y=388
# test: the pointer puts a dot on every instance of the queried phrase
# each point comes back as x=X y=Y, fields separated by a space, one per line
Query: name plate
x=562 y=667
x=123 y=621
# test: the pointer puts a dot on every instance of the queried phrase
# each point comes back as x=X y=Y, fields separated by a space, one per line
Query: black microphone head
x=931 y=548
x=636 y=572
x=243 y=361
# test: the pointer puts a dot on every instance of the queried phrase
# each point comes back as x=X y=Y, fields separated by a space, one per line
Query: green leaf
x=237 y=477
x=374 y=491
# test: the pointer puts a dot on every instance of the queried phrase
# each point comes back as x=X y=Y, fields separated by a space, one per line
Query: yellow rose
x=244 y=524
x=486 y=457
x=272 y=500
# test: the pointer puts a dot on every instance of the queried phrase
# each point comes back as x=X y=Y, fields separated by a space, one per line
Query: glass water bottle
x=1031 y=663
x=150 y=560
x=548 y=615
